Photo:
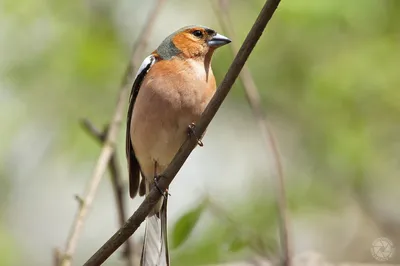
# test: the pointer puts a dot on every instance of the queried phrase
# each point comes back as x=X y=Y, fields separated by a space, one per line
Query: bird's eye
x=198 y=33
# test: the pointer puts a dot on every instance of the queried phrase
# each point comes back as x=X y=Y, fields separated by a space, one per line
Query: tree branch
x=117 y=184
x=110 y=140
x=141 y=213
x=56 y=257
x=254 y=99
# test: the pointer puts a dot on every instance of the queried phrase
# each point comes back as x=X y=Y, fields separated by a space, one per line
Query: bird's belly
x=167 y=142
x=160 y=122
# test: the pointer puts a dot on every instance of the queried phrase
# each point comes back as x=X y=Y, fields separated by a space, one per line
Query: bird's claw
x=191 y=132
x=165 y=194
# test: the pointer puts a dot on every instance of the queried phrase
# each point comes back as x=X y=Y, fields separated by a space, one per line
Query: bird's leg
x=156 y=178
x=158 y=187
x=191 y=132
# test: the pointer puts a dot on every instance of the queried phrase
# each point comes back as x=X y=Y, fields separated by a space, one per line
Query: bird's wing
x=133 y=164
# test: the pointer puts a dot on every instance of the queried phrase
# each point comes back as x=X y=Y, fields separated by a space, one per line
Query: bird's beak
x=218 y=40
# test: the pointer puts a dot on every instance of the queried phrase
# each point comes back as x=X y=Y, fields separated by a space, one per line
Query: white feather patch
x=146 y=64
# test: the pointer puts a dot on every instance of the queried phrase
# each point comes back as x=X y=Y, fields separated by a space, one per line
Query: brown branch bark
x=254 y=99
x=110 y=140
x=141 y=213
x=56 y=257
x=117 y=185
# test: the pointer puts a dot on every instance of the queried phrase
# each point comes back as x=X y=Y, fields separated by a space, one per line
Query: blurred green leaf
x=185 y=225
x=237 y=244
x=8 y=249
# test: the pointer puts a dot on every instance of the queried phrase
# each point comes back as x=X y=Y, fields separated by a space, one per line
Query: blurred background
x=329 y=76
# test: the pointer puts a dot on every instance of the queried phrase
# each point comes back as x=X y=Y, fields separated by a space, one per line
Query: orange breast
x=189 y=79
x=174 y=94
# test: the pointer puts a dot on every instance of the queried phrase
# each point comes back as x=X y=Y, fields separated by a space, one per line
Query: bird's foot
x=165 y=194
x=191 y=132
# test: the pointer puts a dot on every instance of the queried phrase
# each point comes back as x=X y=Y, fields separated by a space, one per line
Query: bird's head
x=191 y=42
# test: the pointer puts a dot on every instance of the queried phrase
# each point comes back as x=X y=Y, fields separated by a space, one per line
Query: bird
x=171 y=89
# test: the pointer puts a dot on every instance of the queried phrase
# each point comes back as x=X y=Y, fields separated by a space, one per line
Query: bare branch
x=117 y=184
x=254 y=99
x=110 y=140
x=141 y=213
x=56 y=257
x=88 y=126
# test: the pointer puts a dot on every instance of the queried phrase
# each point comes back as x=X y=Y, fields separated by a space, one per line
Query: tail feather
x=155 y=246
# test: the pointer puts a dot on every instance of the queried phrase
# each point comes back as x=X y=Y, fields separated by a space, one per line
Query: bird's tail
x=155 y=245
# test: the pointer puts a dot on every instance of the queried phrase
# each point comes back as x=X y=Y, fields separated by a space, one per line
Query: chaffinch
x=171 y=90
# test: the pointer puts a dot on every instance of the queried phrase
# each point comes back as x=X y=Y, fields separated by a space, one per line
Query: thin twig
x=88 y=126
x=168 y=175
x=56 y=257
x=117 y=184
x=254 y=99
x=109 y=143
x=140 y=46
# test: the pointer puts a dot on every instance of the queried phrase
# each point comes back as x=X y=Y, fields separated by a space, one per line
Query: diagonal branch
x=117 y=184
x=141 y=213
x=110 y=141
x=254 y=99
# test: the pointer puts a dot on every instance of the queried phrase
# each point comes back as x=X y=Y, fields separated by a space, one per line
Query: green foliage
x=8 y=250
x=238 y=244
x=247 y=226
x=185 y=225
x=203 y=252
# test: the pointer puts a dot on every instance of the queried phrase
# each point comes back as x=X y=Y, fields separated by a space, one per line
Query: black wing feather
x=133 y=164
